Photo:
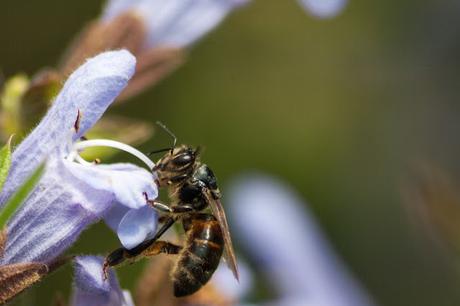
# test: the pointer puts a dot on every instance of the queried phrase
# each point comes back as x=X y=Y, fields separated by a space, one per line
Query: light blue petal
x=53 y=216
x=136 y=226
x=113 y=217
x=113 y=8
x=126 y=182
x=128 y=299
x=96 y=84
x=183 y=22
x=176 y=23
x=90 y=289
x=90 y=89
x=286 y=242
x=324 y=8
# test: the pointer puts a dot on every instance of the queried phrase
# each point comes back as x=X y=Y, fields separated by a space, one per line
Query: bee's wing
x=229 y=253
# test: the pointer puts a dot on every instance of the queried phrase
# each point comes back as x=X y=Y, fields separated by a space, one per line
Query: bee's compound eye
x=183 y=159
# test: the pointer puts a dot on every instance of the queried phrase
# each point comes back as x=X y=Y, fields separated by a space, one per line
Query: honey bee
x=192 y=188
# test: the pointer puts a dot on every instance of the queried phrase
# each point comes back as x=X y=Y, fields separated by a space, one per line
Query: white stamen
x=82 y=161
x=107 y=143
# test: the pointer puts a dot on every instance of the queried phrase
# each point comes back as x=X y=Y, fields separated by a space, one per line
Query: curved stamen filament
x=81 y=160
x=108 y=143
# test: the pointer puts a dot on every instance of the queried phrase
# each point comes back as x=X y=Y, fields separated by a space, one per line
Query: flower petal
x=130 y=215
x=285 y=240
x=126 y=182
x=90 y=89
x=53 y=216
x=91 y=289
x=323 y=8
x=136 y=226
x=113 y=8
x=114 y=215
x=187 y=22
x=176 y=23
x=128 y=298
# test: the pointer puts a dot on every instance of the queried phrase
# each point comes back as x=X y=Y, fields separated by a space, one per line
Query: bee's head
x=182 y=157
x=176 y=165
x=177 y=158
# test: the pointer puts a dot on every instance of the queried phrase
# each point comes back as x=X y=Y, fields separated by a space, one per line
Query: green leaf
x=5 y=162
x=18 y=198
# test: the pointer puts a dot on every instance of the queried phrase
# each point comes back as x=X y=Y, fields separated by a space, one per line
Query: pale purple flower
x=273 y=224
x=174 y=23
x=70 y=195
x=90 y=289
x=324 y=8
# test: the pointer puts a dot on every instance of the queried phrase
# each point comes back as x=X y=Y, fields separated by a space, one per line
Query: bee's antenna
x=160 y=124
x=159 y=151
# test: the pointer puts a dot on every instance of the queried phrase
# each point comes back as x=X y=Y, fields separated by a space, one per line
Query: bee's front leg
x=158 y=205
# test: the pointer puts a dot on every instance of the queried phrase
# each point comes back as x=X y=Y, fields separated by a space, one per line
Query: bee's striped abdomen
x=200 y=256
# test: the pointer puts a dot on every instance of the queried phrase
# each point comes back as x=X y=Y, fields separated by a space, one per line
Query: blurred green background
x=341 y=109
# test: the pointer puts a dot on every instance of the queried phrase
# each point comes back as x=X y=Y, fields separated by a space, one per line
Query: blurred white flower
x=324 y=8
x=273 y=224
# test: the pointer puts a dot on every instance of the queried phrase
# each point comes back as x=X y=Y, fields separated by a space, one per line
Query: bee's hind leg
x=120 y=255
x=115 y=258
x=161 y=246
